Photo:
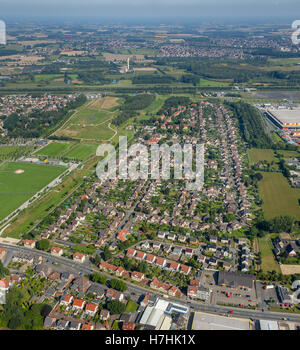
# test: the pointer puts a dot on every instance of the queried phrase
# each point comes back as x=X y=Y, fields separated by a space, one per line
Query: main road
x=134 y=289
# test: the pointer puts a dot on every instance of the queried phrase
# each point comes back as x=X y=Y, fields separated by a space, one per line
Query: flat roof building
x=285 y=118
x=235 y=280
x=204 y=321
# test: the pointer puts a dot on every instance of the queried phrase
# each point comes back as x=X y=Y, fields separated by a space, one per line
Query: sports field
x=17 y=188
x=54 y=149
x=81 y=151
x=279 y=198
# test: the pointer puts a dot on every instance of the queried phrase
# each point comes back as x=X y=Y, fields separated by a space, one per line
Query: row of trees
x=251 y=125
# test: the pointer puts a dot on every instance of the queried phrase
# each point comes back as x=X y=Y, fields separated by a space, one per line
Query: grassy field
x=258 y=155
x=289 y=154
x=268 y=261
x=16 y=189
x=54 y=149
x=279 y=198
x=90 y=122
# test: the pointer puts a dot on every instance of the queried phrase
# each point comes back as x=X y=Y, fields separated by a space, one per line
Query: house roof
x=78 y=302
x=91 y=307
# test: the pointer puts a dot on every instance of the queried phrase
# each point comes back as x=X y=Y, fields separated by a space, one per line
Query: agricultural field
x=268 y=261
x=54 y=149
x=279 y=198
x=17 y=188
x=290 y=269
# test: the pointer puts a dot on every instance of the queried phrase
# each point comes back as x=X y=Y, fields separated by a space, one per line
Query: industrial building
x=266 y=325
x=204 y=321
x=285 y=118
x=235 y=280
x=159 y=315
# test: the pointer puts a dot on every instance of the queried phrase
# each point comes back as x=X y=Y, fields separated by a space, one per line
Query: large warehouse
x=285 y=118
x=204 y=321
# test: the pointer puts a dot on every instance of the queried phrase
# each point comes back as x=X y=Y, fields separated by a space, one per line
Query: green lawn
x=16 y=189
x=268 y=261
x=279 y=198
x=258 y=155
x=131 y=306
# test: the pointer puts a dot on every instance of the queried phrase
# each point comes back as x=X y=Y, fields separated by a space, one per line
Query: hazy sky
x=150 y=8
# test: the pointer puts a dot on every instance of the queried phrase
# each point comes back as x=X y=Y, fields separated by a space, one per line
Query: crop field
x=259 y=155
x=81 y=151
x=17 y=188
x=107 y=102
x=279 y=198
x=54 y=149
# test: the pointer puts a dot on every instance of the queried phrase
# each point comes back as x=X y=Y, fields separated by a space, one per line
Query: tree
x=98 y=278
x=283 y=223
x=116 y=307
x=43 y=244
x=106 y=253
x=3 y=271
x=118 y=285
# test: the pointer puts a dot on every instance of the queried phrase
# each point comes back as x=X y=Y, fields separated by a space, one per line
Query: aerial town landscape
x=149 y=251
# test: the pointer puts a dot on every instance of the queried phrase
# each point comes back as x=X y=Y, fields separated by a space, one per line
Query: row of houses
x=159 y=261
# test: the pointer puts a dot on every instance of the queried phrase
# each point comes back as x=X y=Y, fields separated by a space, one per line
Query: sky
x=139 y=9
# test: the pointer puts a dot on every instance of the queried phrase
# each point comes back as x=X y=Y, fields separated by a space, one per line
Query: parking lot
x=228 y=296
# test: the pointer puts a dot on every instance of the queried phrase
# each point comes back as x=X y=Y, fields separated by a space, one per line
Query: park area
x=20 y=181
x=92 y=121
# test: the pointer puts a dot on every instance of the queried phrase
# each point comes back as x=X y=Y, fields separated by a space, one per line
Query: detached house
x=91 y=309
x=29 y=243
x=78 y=304
x=55 y=251
x=78 y=257
x=137 y=276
